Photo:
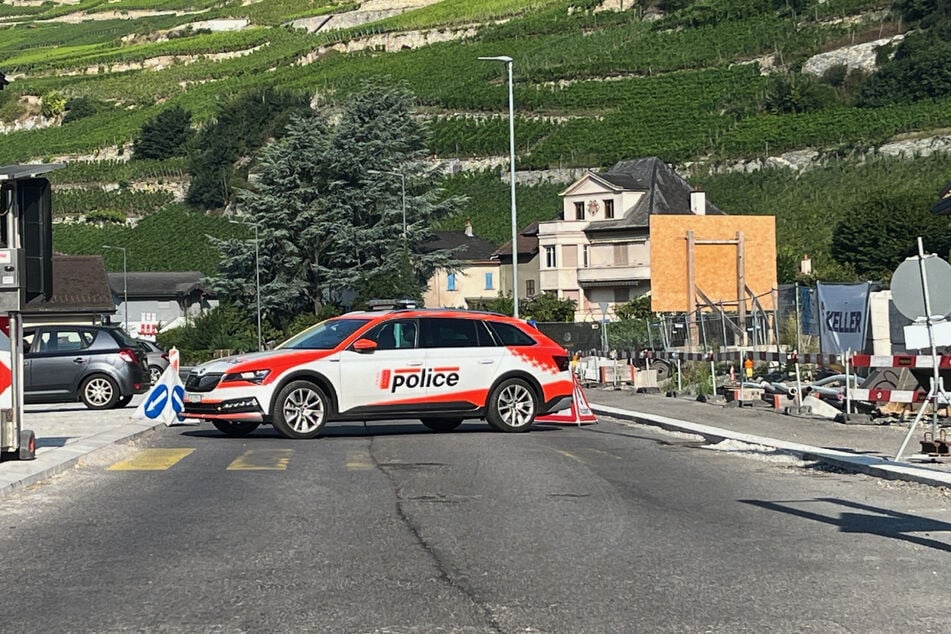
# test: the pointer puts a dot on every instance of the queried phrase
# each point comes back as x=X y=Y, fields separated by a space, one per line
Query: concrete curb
x=51 y=461
x=875 y=466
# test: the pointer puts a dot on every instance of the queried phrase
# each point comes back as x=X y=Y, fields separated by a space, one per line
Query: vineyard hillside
x=798 y=108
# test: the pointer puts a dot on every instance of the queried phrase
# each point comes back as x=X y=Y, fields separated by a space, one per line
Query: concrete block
x=821 y=408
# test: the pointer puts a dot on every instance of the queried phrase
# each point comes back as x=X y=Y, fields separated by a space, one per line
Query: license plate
x=192 y=398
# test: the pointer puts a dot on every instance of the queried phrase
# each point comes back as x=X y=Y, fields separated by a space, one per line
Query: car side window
x=445 y=332
x=510 y=335
x=398 y=334
x=70 y=340
x=45 y=342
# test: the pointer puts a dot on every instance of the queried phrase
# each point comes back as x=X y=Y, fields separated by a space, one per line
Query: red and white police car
x=437 y=366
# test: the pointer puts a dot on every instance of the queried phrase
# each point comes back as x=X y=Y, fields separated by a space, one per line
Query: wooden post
x=741 y=286
x=692 y=289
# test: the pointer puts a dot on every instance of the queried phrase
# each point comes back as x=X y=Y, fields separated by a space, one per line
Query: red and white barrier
x=579 y=414
x=899 y=361
x=737 y=356
x=888 y=396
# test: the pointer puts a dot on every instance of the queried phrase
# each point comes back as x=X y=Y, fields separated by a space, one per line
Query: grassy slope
x=668 y=96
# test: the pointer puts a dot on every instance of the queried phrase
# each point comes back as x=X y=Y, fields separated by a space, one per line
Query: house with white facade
x=598 y=253
x=159 y=300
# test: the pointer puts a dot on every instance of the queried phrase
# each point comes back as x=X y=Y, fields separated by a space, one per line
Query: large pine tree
x=330 y=230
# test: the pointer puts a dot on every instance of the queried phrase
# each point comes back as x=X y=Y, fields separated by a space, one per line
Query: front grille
x=202 y=382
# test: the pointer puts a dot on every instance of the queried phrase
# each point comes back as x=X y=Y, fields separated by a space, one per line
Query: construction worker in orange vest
x=748 y=367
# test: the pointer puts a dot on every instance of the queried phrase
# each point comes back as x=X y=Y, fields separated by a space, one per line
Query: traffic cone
x=579 y=414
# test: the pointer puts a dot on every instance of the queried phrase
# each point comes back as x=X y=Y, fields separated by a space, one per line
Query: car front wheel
x=99 y=392
x=155 y=373
x=512 y=406
x=235 y=428
x=300 y=410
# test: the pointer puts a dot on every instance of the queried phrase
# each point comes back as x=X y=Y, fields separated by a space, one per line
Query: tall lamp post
x=505 y=59
x=125 y=283
x=402 y=176
x=257 y=272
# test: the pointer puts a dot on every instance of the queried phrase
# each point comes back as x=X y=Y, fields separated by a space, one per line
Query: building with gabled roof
x=598 y=252
x=474 y=282
x=159 y=299
x=80 y=293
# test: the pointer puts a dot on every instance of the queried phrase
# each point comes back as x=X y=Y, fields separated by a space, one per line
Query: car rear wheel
x=441 y=424
x=512 y=406
x=123 y=401
x=99 y=392
x=155 y=373
x=301 y=409
x=235 y=428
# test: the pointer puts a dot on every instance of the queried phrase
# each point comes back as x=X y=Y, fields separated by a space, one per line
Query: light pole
x=402 y=176
x=257 y=272
x=508 y=63
x=125 y=283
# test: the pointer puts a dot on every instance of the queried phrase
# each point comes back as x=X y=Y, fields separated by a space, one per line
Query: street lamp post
x=125 y=283
x=257 y=272
x=403 y=190
x=505 y=59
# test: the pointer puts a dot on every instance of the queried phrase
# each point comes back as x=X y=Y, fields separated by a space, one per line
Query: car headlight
x=248 y=376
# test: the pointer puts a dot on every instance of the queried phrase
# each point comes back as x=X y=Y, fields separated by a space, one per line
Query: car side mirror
x=364 y=346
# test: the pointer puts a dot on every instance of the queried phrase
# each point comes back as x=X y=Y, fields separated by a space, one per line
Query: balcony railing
x=617 y=274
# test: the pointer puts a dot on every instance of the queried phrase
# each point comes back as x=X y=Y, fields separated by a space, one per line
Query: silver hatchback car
x=156 y=358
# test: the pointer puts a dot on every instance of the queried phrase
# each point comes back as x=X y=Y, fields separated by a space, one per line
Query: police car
x=437 y=366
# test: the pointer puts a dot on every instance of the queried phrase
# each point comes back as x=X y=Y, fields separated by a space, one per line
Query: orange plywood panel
x=716 y=270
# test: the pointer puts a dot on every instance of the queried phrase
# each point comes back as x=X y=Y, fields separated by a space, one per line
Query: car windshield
x=325 y=335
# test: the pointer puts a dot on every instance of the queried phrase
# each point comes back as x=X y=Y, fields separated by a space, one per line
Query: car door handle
x=79 y=360
x=486 y=361
x=415 y=364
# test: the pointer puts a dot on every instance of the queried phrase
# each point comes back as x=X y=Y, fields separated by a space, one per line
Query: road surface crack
x=444 y=574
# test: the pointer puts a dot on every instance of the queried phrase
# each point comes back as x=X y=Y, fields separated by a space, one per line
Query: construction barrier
x=607 y=371
x=578 y=414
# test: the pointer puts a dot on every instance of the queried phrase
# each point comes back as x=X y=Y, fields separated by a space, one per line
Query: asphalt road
x=393 y=528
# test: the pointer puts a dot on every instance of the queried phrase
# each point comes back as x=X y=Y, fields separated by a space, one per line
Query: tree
x=547 y=307
x=242 y=126
x=164 y=135
x=919 y=70
x=882 y=230
x=330 y=232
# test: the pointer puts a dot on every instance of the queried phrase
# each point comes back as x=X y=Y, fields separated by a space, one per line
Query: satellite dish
x=907 y=287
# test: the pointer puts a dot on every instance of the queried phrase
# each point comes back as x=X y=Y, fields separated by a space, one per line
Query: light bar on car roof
x=391 y=304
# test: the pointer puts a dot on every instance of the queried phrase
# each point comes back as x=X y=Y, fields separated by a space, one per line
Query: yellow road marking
x=359 y=461
x=262 y=460
x=570 y=455
x=606 y=453
x=151 y=460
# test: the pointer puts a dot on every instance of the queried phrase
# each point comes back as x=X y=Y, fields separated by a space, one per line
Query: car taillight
x=561 y=361
x=128 y=356
x=165 y=356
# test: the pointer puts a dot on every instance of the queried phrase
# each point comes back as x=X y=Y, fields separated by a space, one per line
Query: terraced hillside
x=706 y=85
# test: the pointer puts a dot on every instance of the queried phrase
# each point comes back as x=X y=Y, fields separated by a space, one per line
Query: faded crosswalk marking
x=151 y=460
x=262 y=460
x=359 y=461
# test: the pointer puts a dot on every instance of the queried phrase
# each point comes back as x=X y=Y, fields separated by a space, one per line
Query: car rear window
x=326 y=335
x=510 y=335
x=125 y=340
